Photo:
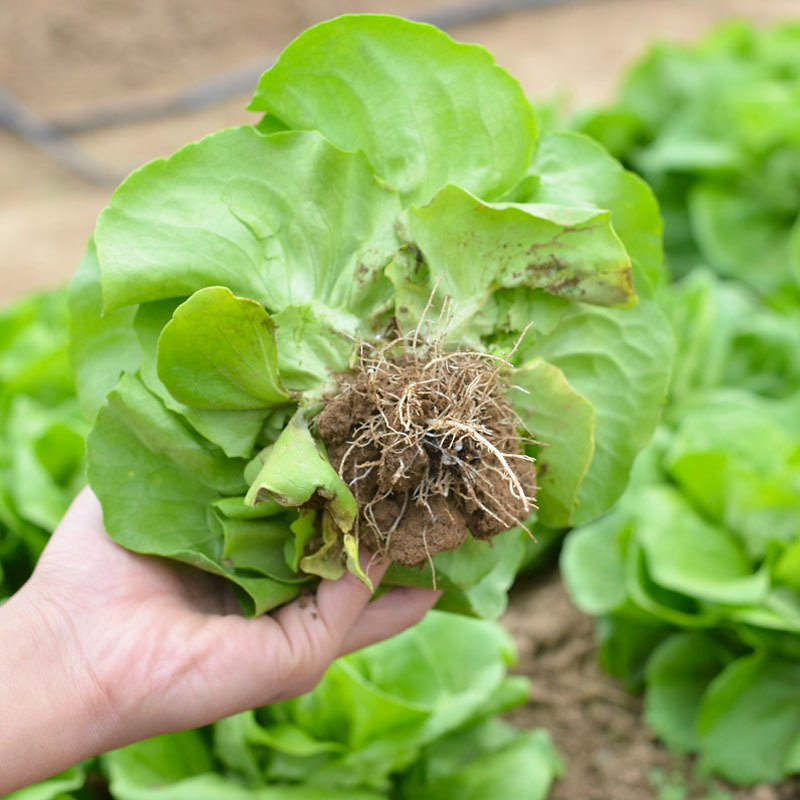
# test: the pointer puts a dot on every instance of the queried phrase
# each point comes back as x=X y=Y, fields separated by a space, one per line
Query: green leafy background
x=693 y=575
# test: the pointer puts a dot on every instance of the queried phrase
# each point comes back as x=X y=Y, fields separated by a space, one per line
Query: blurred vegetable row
x=695 y=576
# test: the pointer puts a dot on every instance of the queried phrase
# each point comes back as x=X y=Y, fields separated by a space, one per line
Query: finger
x=316 y=626
x=83 y=514
x=79 y=538
x=398 y=609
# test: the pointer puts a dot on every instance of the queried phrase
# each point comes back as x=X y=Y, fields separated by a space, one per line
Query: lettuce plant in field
x=694 y=574
x=42 y=432
x=715 y=129
x=407 y=719
x=389 y=314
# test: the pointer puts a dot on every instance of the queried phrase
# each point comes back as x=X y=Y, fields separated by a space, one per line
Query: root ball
x=430 y=448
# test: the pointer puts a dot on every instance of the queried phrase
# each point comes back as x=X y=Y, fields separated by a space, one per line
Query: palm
x=166 y=645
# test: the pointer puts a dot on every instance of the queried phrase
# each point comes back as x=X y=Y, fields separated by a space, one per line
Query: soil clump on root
x=430 y=448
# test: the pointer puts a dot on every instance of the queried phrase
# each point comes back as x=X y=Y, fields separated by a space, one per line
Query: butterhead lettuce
x=396 y=177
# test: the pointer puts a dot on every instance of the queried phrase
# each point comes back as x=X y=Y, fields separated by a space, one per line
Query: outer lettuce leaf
x=102 y=346
x=124 y=441
x=678 y=675
x=620 y=362
x=425 y=110
x=571 y=169
x=600 y=351
x=488 y=597
x=460 y=569
x=233 y=210
x=593 y=565
x=472 y=248
x=375 y=710
x=565 y=422
x=749 y=720
x=490 y=760
x=180 y=766
x=687 y=555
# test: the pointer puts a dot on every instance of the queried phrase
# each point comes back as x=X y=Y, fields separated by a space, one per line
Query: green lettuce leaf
x=353 y=80
x=573 y=170
x=749 y=721
x=102 y=346
x=375 y=710
x=131 y=450
x=41 y=431
x=250 y=228
x=472 y=248
x=678 y=675
x=620 y=361
x=219 y=351
x=563 y=421
x=235 y=431
x=488 y=760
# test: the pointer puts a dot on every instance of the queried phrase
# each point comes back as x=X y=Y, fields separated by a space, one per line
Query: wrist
x=52 y=713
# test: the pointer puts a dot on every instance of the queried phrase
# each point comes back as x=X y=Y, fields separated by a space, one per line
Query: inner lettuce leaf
x=218 y=351
x=228 y=287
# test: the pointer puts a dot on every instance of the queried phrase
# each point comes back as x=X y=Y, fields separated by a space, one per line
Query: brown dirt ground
x=596 y=725
x=61 y=58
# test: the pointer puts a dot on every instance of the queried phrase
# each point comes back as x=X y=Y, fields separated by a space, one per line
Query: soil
x=597 y=726
x=429 y=447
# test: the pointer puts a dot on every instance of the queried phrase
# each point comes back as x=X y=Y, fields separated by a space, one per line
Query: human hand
x=103 y=647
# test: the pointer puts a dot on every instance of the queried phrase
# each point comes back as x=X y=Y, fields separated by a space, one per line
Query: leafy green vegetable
x=352 y=79
x=55 y=788
x=229 y=286
x=697 y=547
x=488 y=760
x=694 y=574
x=41 y=432
x=208 y=367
